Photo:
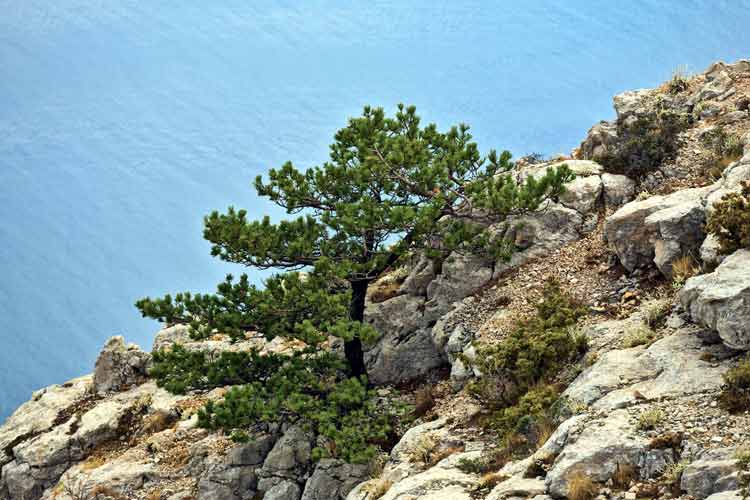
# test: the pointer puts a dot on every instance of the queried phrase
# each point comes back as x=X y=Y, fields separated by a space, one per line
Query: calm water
x=123 y=122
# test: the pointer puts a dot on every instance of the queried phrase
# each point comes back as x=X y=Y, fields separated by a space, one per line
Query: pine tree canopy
x=391 y=188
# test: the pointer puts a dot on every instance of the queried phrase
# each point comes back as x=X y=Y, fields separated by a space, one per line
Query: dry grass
x=655 y=311
x=640 y=335
x=438 y=455
x=384 y=292
x=93 y=462
x=581 y=487
x=376 y=488
x=624 y=475
x=684 y=268
x=490 y=480
x=423 y=448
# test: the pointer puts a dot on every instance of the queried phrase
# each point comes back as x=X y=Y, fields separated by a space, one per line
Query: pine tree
x=389 y=189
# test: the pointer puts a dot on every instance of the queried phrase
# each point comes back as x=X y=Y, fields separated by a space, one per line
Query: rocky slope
x=616 y=243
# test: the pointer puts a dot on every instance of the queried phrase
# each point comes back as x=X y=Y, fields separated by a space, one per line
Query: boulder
x=726 y=495
x=675 y=220
x=285 y=490
x=583 y=194
x=41 y=413
x=599 y=448
x=120 y=366
x=618 y=190
x=711 y=251
x=444 y=481
x=672 y=366
x=288 y=460
x=721 y=300
x=518 y=486
x=714 y=472
x=333 y=480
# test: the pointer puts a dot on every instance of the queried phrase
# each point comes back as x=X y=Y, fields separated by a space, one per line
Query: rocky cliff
x=667 y=316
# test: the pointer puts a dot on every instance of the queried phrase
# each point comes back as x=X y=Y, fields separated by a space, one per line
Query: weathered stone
x=721 y=300
x=583 y=194
x=714 y=472
x=672 y=366
x=289 y=459
x=711 y=251
x=333 y=480
x=633 y=231
x=518 y=486
x=419 y=277
x=618 y=190
x=599 y=448
x=285 y=490
x=40 y=413
x=119 y=366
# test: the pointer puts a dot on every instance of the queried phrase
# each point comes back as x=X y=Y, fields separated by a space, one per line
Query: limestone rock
x=713 y=473
x=119 y=366
x=721 y=300
x=618 y=190
x=518 y=486
x=598 y=449
x=288 y=460
x=633 y=231
x=710 y=250
x=40 y=413
x=285 y=490
x=333 y=480
x=672 y=366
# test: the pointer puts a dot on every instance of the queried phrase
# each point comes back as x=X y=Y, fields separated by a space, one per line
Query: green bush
x=306 y=387
x=179 y=370
x=536 y=350
x=735 y=395
x=730 y=220
x=518 y=383
x=645 y=142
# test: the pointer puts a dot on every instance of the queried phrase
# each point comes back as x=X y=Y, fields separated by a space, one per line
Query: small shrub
x=472 y=465
x=735 y=394
x=679 y=81
x=581 y=487
x=743 y=467
x=645 y=142
x=655 y=312
x=529 y=416
x=535 y=350
x=650 y=419
x=673 y=473
x=730 y=220
x=639 y=335
x=724 y=149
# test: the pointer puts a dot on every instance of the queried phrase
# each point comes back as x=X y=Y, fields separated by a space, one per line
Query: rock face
x=333 y=480
x=597 y=450
x=410 y=347
x=721 y=300
x=120 y=366
x=672 y=366
x=714 y=472
x=658 y=229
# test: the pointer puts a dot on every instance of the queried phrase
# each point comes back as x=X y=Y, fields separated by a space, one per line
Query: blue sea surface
x=123 y=122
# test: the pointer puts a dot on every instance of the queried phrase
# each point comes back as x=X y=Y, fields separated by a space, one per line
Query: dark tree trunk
x=353 y=348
